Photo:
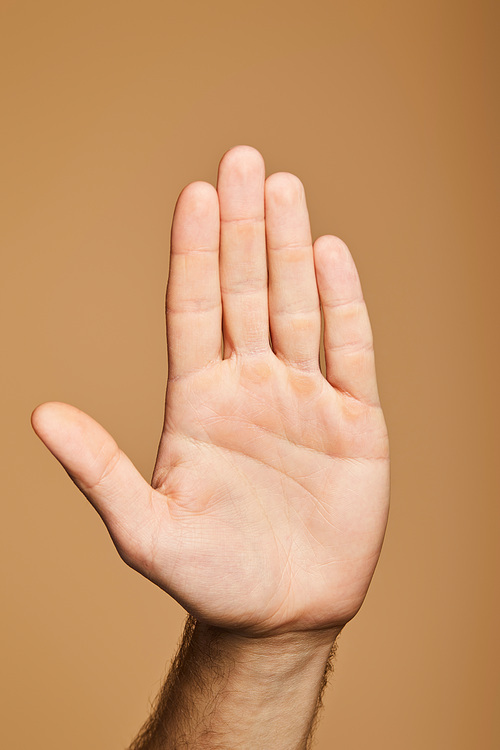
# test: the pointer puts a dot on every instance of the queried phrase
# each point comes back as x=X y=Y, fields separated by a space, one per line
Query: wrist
x=270 y=671
x=278 y=655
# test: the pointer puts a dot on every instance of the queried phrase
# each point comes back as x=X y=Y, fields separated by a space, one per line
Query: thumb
x=104 y=474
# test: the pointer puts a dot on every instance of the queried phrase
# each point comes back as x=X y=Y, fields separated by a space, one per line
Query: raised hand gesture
x=269 y=498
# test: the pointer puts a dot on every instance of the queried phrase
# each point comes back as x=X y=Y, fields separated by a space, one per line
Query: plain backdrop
x=388 y=112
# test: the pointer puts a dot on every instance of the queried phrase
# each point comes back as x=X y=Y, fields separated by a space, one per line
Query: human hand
x=269 y=498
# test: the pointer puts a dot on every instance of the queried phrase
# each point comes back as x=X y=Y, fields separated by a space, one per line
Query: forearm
x=226 y=691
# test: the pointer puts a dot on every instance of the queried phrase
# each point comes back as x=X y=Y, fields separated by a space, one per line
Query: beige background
x=388 y=111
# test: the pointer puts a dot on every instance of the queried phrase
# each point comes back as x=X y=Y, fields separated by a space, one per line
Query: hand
x=269 y=498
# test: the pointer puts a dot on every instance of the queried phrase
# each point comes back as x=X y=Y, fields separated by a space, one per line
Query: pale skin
x=269 y=499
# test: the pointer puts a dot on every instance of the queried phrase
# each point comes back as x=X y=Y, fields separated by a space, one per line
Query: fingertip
x=240 y=186
x=44 y=416
x=72 y=436
x=284 y=188
x=336 y=270
x=198 y=189
x=197 y=200
x=241 y=154
x=196 y=218
x=240 y=182
x=334 y=247
x=36 y=417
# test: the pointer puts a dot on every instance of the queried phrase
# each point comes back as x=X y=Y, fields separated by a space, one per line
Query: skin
x=269 y=499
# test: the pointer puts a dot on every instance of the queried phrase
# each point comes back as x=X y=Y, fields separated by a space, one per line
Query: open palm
x=270 y=493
